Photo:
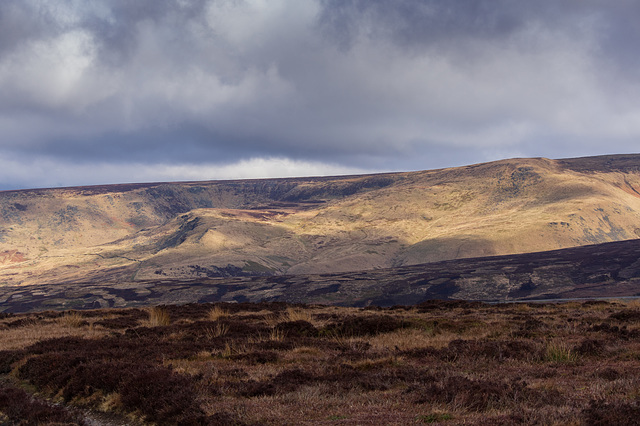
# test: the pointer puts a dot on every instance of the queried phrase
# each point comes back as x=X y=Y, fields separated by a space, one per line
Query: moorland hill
x=187 y=230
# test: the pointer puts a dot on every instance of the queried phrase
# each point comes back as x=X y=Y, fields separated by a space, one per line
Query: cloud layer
x=112 y=91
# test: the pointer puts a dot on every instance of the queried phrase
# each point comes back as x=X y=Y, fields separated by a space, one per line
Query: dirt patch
x=8 y=257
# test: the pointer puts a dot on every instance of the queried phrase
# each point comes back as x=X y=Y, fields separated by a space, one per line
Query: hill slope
x=315 y=225
x=608 y=270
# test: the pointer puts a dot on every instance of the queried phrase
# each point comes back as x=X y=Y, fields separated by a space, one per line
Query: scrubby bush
x=286 y=381
x=602 y=413
x=7 y=358
x=262 y=367
x=50 y=371
x=260 y=357
x=481 y=395
x=626 y=315
x=498 y=350
x=363 y=326
x=299 y=328
x=591 y=347
x=160 y=395
x=23 y=409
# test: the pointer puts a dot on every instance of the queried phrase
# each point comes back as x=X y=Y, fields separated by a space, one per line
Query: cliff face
x=315 y=225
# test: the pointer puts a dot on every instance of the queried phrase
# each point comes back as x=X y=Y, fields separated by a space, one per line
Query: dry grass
x=218 y=330
x=18 y=338
x=632 y=303
x=217 y=312
x=72 y=319
x=296 y=314
x=560 y=352
x=276 y=335
x=110 y=402
x=158 y=316
x=291 y=314
x=410 y=338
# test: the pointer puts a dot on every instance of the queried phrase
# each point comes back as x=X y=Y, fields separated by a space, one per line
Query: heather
x=439 y=362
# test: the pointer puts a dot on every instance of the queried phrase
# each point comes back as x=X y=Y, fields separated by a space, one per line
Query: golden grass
x=291 y=314
x=158 y=316
x=218 y=330
x=302 y=354
x=71 y=319
x=110 y=402
x=632 y=303
x=229 y=350
x=216 y=313
x=18 y=338
x=276 y=335
x=560 y=352
x=295 y=314
x=321 y=405
x=523 y=307
x=405 y=339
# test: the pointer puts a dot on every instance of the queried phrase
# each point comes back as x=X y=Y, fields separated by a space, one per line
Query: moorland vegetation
x=438 y=362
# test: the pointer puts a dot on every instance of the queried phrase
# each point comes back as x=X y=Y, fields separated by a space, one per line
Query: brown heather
x=443 y=363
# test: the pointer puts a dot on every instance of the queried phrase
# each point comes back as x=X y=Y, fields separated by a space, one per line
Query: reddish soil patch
x=8 y=257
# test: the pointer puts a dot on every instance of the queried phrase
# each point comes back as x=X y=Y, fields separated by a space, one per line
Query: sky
x=112 y=91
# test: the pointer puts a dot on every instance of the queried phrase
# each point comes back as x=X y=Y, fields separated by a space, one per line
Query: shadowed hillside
x=193 y=230
x=609 y=270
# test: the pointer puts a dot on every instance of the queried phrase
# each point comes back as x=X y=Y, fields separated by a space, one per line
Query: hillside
x=608 y=270
x=189 y=230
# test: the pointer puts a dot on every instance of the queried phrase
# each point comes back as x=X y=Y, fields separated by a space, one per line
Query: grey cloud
x=367 y=84
x=117 y=30
x=411 y=23
x=21 y=22
x=446 y=26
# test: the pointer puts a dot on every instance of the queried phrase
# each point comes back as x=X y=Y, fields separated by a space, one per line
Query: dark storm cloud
x=429 y=22
x=449 y=25
x=420 y=23
x=117 y=32
x=347 y=85
x=21 y=22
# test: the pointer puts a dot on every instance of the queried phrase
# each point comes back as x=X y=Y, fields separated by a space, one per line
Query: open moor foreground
x=445 y=362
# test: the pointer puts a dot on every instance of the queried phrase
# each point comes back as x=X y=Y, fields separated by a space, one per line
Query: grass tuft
x=218 y=312
x=218 y=331
x=158 y=316
x=276 y=335
x=110 y=402
x=560 y=353
x=71 y=319
x=293 y=314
